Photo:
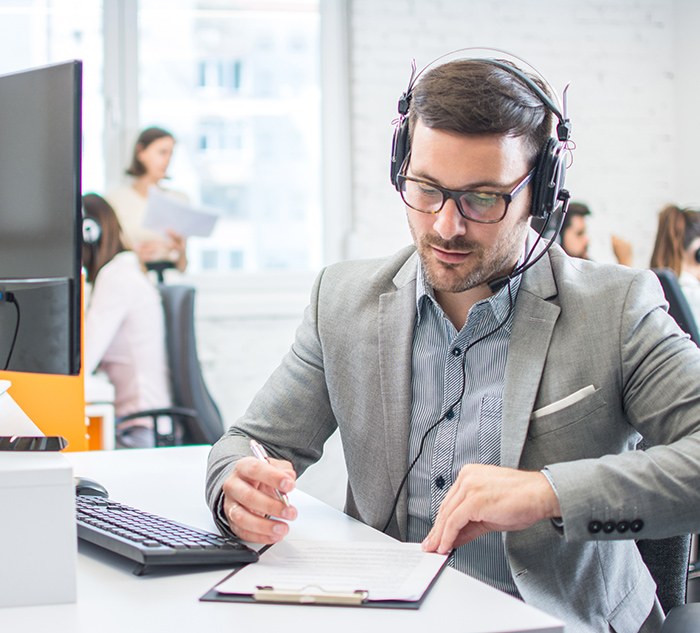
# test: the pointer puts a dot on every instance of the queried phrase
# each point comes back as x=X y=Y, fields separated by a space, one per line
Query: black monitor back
x=40 y=215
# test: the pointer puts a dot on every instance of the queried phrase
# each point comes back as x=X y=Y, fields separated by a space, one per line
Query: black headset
x=548 y=179
x=92 y=231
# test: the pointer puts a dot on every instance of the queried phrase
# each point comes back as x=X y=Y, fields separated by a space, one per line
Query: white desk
x=170 y=481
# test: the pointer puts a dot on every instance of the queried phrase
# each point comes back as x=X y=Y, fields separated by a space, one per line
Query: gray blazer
x=576 y=324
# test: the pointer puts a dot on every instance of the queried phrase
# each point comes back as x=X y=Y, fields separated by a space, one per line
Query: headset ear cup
x=92 y=231
x=697 y=256
x=399 y=150
x=548 y=179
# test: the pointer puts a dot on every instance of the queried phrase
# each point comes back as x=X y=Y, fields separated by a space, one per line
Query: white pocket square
x=563 y=403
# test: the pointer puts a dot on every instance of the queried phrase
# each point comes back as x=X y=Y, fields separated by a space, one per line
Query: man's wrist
x=551 y=500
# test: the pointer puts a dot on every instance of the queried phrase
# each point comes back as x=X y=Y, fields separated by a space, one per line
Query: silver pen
x=260 y=452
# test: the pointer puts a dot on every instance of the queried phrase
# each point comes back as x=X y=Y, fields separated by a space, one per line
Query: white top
x=125 y=335
x=130 y=207
x=690 y=285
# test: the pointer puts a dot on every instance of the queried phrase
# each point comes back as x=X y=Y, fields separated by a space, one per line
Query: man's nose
x=449 y=222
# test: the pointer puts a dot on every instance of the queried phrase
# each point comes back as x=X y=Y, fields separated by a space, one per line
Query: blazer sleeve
x=291 y=415
x=660 y=393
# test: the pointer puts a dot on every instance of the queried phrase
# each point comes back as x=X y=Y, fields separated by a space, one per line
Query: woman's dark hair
x=146 y=137
x=97 y=254
x=474 y=97
x=677 y=229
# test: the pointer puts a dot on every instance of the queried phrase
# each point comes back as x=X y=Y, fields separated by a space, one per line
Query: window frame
x=120 y=28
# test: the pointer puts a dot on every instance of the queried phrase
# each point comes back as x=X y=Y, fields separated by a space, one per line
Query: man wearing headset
x=490 y=392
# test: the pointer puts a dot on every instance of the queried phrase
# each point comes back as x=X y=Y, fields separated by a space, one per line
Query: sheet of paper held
x=387 y=570
x=165 y=211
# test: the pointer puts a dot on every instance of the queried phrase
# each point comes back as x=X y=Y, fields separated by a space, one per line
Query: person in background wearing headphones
x=490 y=390
x=149 y=166
x=677 y=247
x=124 y=324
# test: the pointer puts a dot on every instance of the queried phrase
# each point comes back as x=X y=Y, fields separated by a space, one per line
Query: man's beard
x=483 y=265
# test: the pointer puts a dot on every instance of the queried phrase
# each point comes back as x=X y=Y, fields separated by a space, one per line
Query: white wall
x=632 y=65
x=633 y=68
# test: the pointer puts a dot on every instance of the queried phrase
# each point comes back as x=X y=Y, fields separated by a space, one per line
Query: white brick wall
x=621 y=59
x=633 y=101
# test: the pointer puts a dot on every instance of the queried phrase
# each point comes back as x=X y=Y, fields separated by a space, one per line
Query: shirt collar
x=499 y=303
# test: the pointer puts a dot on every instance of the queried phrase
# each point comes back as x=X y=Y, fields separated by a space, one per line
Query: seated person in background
x=677 y=247
x=124 y=324
x=149 y=165
x=574 y=239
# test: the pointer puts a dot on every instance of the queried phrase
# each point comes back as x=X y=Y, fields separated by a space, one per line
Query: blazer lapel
x=533 y=324
x=395 y=358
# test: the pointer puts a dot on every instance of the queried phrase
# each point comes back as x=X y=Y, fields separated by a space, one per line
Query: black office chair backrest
x=186 y=381
x=678 y=306
x=667 y=560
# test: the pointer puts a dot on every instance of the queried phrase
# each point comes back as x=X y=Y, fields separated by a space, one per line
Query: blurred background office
x=283 y=109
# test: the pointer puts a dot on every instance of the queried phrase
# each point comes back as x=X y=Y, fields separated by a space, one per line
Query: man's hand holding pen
x=255 y=494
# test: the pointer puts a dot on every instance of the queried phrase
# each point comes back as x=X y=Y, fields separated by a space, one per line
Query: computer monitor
x=40 y=219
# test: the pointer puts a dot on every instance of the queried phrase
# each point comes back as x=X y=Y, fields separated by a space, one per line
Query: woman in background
x=678 y=247
x=149 y=166
x=124 y=324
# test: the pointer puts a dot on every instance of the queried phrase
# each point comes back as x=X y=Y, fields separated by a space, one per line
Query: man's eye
x=478 y=200
x=427 y=190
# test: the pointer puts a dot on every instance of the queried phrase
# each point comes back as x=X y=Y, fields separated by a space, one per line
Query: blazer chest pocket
x=568 y=416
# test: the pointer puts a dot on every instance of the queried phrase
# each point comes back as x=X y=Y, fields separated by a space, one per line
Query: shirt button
x=450 y=414
x=456 y=351
x=439 y=482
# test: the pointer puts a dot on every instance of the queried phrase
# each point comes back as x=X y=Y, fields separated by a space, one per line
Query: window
x=240 y=90
x=238 y=83
x=39 y=32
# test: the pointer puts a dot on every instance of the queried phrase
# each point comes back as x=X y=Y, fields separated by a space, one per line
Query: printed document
x=386 y=570
x=165 y=212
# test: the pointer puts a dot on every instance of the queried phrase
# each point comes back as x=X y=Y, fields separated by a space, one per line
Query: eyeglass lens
x=473 y=204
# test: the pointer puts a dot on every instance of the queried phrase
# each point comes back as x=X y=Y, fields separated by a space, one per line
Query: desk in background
x=170 y=481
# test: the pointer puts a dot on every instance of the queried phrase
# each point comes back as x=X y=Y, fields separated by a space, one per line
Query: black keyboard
x=152 y=540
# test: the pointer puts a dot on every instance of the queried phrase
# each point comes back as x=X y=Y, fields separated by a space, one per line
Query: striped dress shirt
x=471 y=431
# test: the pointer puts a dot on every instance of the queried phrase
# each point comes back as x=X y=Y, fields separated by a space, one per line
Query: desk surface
x=170 y=481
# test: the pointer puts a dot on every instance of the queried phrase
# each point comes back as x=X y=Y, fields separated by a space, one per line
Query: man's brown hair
x=475 y=97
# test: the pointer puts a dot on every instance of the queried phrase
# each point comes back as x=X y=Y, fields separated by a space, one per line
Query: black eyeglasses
x=486 y=207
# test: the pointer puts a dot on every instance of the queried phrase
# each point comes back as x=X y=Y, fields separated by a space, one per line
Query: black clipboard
x=315 y=596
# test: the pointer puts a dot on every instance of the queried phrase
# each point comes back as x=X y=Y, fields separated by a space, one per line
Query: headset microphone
x=496 y=284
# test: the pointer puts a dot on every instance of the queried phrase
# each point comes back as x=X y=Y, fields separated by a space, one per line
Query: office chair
x=196 y=418
x=678 y=306
x=159 y=267
x=667 y=560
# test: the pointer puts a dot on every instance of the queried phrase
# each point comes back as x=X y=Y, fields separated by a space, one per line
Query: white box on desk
x=37 y=529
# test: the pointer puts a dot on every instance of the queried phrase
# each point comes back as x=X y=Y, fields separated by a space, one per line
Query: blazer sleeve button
x=637 y=525
x=609 y=527
x=623 y=526
x=595 y=526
